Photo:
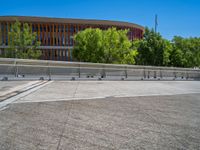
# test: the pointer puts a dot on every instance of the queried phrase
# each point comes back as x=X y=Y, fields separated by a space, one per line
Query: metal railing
x=43 y=69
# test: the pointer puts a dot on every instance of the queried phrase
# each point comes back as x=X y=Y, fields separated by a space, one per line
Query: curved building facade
x=56 y=34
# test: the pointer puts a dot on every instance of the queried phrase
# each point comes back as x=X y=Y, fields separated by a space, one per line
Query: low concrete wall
x=34 y=69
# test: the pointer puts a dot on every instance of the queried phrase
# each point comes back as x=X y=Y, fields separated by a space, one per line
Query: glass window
x=64 y=53
x=66 y=28
x=40 y=28
x=67 y=53
x=2 y=27
x=60 y=53
x=40 y=36
x=2 y=35
x=70 y=54
x=71 y=41
x=58 y=40
x=71 y=29
x=63 y=39
x=77 y=29
x=58 y=28
x=33 y=28
x=62 y=28
x=50 y=28
x=36 y=28
x=49 y=53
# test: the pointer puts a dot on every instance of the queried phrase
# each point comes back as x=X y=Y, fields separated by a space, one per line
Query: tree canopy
x=153 y=49
x=185 y=52
x=23 y=43
x=113 y=46
x=104 y=46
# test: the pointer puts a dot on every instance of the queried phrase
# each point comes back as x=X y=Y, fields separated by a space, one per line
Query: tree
x=23 y=43
x=185 y=52
x=108 y=46
x=153 y=49
x=88 y=45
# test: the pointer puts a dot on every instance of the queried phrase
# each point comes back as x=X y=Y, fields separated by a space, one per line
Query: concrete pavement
x=150 y=122
x=73 y=90
x=103 y=115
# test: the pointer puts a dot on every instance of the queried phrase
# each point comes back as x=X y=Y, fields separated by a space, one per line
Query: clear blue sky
x=175 y=17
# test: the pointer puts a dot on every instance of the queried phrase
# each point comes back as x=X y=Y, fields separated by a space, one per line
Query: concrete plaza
x=103 y=115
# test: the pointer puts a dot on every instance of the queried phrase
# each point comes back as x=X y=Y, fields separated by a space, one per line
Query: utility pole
x=156 y=22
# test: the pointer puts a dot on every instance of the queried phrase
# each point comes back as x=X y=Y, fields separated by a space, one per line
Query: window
x=71 y=40
x=62 y=26
x=70 y=54
x=63 y=53
x=60 y=53
x=44 y=28
x=40 y=28
x=66 y=40
x=63 y=39
x=36 y=28
x=66 y=28
x=33 y=28
x=40 y=36
x=2 y=33
x=72 y=29
x=49 y=39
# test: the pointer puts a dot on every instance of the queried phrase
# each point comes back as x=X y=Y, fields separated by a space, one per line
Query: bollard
x=154 y=74
x=148 y=76
x=160 y=74
x=144 y=74
x=41 y=78
x=4 y=79
x=73 y=78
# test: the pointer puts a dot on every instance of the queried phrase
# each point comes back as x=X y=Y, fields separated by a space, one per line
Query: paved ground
x=5 y=86
x=69 y=90
x=137 y=122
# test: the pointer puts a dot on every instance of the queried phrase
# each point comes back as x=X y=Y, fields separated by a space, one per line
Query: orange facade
x=56 y=35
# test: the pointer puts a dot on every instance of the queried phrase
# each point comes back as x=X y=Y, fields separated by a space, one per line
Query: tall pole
x=156 y=22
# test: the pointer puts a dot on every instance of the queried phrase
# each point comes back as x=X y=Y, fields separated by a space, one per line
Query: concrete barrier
x=35 y=69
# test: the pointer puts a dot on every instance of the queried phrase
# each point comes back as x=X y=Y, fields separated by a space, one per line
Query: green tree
x=185 y=52
x=88 y=45
x=108 y=46
x=153 y=49
x=23 y=43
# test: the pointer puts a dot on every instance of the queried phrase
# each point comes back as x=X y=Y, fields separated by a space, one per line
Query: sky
x=175 y=17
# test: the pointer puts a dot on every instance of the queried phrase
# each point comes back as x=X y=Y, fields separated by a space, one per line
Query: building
x=56 y=34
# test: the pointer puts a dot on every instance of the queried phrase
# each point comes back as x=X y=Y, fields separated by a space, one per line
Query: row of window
x=53 y=54
x=56 y=54
x=55 y=28
x=55 y=40
x=46 y=35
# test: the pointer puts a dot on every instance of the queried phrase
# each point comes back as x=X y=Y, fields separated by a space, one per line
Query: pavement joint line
x=76 y=90
x=22 y=94
x=103 y=97
x=17 y=90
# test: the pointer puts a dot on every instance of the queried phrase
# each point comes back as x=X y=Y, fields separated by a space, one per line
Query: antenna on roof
x=156 y=22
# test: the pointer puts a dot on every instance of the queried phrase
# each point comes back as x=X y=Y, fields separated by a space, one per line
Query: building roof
x=70 y=21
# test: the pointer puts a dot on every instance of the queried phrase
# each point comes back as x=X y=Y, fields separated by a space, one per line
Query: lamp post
x=156 y=22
